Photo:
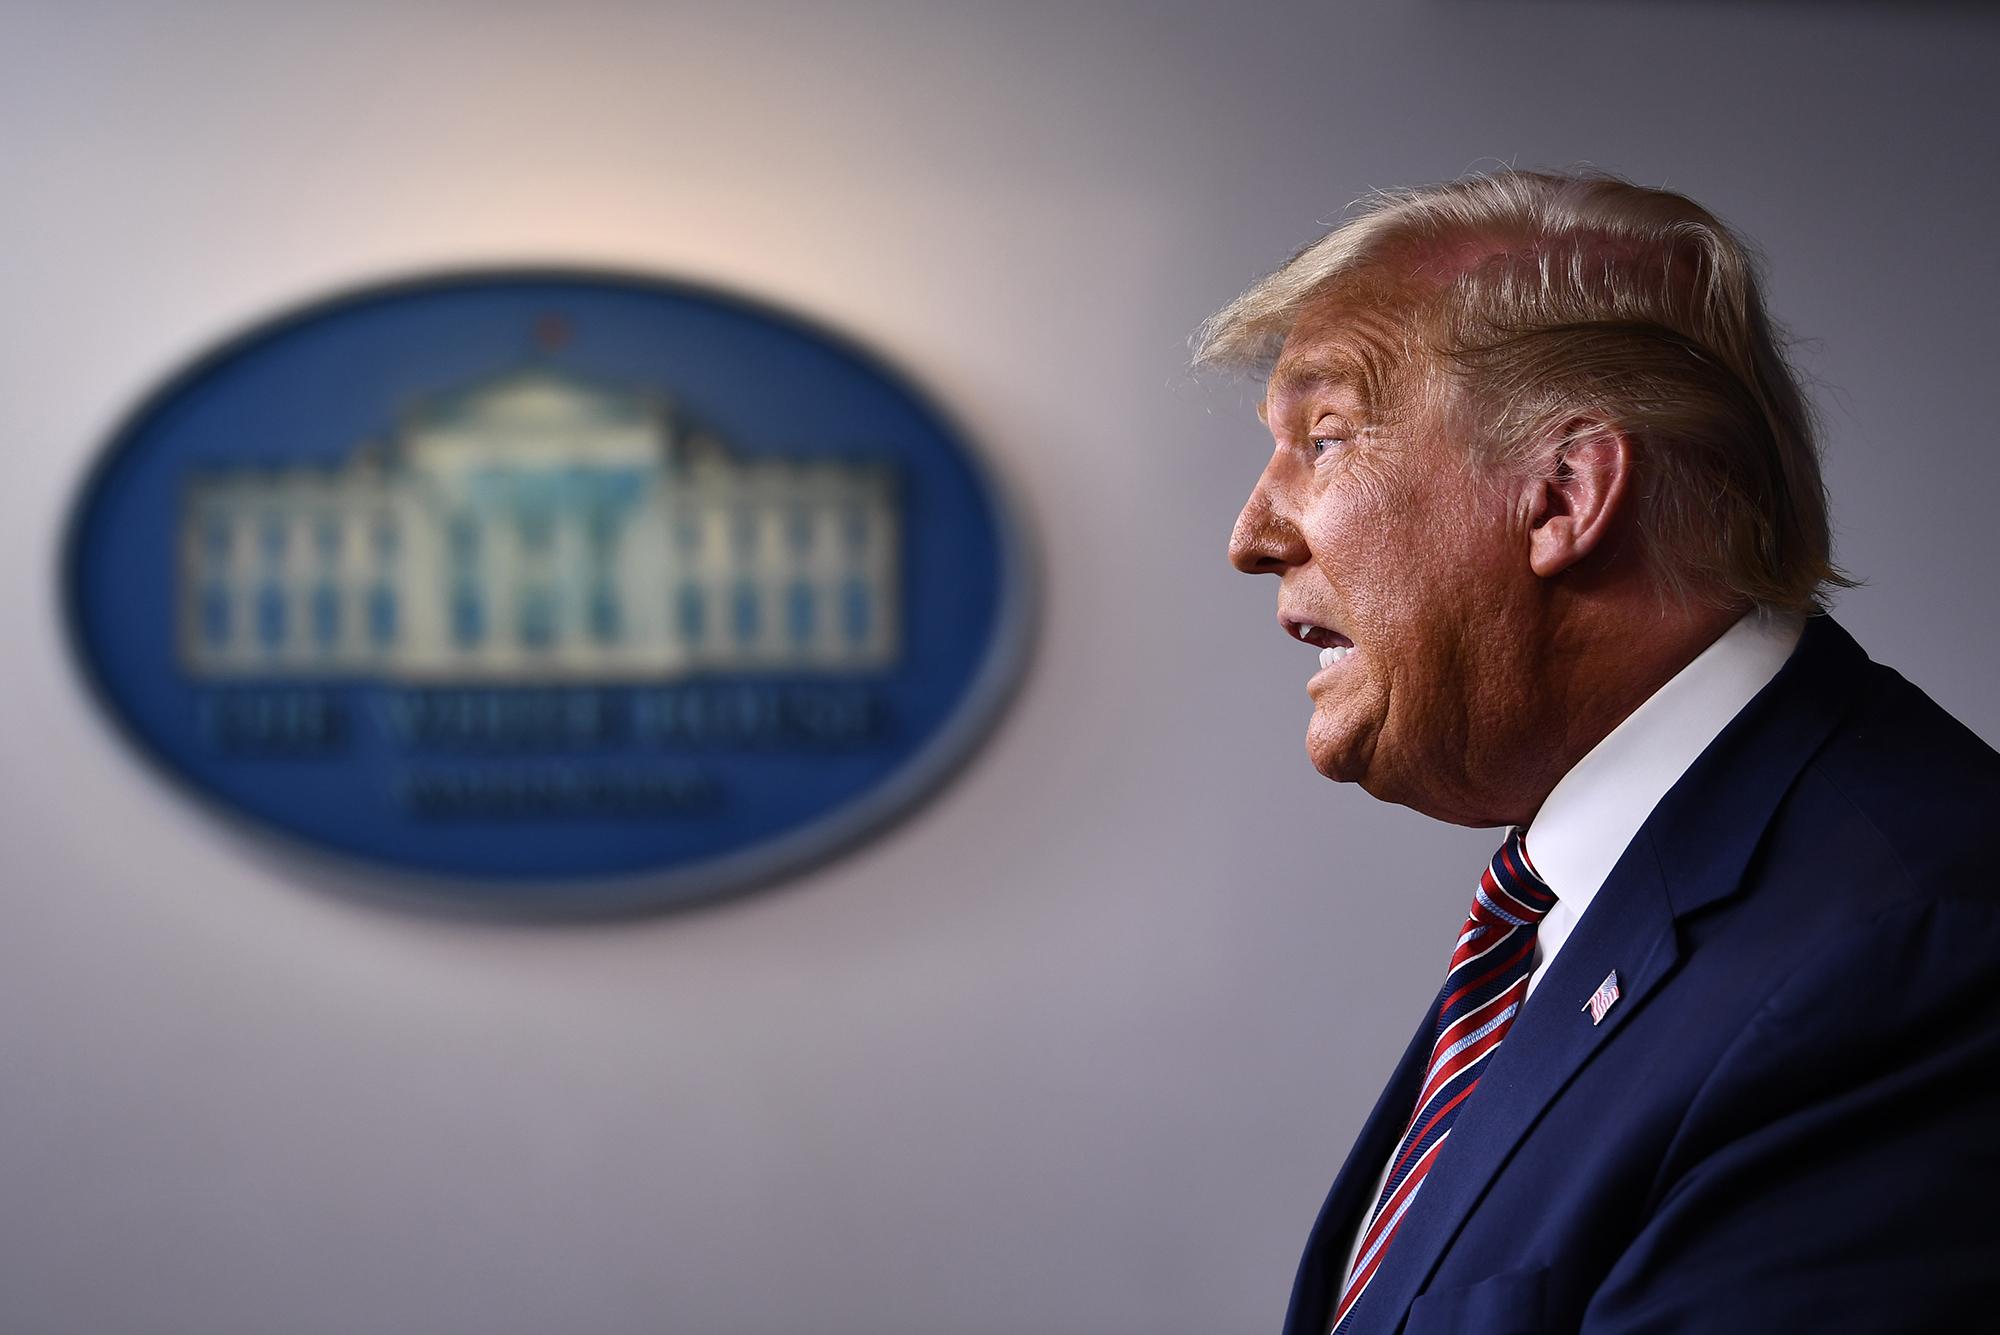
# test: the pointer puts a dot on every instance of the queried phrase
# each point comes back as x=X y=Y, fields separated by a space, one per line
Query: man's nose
x=1264 y=541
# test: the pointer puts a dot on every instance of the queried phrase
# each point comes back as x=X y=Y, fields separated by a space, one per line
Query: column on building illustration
x=289 y=571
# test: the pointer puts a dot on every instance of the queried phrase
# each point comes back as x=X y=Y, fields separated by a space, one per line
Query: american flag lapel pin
x=1602 y=999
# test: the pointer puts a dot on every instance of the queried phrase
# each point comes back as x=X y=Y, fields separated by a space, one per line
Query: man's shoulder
x=1886 y=829
x=1867 y=937
x=1910 y=792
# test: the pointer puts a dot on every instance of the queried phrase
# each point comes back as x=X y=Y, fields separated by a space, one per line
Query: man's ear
x=1573 y=506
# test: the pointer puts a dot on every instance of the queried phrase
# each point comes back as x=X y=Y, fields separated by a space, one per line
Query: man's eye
x=1321 y=444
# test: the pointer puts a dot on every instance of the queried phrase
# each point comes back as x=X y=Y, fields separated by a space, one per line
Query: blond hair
x=1550 y=301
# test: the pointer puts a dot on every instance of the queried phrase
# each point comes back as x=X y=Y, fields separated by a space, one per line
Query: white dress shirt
x=1591 y=815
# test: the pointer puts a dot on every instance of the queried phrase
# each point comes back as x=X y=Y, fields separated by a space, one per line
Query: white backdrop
x=1078 y=1047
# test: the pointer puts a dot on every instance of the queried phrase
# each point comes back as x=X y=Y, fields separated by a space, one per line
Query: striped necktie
x=1481 y=995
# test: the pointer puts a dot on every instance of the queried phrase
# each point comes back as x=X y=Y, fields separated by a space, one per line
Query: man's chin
x=1339 y=754
x=1332 y=768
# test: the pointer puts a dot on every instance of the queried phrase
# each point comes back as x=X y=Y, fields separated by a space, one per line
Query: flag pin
x=1602 y=999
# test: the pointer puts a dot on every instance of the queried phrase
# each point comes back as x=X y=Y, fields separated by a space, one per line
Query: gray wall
x=1076 y=1049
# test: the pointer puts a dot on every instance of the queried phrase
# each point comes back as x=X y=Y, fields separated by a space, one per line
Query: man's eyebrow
x=1294 y=377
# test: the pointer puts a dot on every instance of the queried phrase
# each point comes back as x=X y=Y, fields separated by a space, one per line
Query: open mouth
x=1332 y=645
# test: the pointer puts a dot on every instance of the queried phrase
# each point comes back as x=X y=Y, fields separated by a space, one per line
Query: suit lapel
x=1692 y=851
x=1550 y=1042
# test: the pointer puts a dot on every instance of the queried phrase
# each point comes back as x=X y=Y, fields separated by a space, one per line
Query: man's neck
x=1584 y=826
x=1605 y=665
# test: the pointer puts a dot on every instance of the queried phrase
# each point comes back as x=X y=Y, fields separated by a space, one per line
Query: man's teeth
x=1333 y=654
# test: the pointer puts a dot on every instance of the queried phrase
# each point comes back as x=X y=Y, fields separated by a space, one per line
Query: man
x=1718 y=1048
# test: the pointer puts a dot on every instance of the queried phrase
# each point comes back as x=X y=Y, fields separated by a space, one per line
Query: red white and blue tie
x=1476 y=1007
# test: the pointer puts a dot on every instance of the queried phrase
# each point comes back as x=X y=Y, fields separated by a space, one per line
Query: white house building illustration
x=539 y=527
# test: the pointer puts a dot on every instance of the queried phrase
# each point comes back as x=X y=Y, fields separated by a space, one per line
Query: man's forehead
x=1339 y=344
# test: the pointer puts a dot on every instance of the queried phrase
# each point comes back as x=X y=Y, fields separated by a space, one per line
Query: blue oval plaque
x=570 y=591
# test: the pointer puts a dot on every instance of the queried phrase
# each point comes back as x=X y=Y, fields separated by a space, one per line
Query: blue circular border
x=917 y=773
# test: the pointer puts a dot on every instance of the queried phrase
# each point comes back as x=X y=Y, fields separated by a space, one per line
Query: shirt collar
x=1591 y=815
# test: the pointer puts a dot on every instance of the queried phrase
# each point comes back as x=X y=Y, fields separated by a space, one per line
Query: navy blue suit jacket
x=1790 y=1120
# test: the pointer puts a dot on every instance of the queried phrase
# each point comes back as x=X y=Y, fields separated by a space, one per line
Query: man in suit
x=1718 y=1048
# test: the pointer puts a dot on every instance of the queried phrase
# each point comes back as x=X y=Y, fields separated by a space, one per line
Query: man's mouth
x=1332 y=645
